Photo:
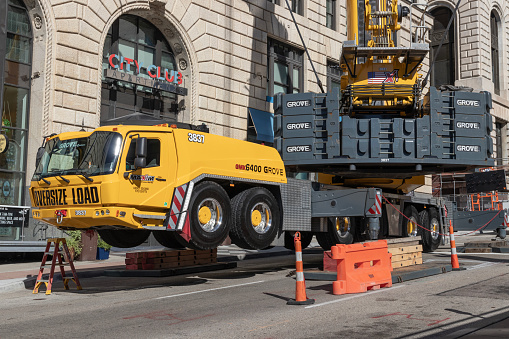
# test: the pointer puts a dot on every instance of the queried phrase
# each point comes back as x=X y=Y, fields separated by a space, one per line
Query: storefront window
x=15 y=99
x=136 y=48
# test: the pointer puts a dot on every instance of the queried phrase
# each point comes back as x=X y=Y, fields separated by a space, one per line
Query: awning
x=263 y=124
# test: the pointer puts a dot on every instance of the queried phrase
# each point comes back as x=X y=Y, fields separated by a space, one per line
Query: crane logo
x=303 y=148
x=383 y=77
x=298 y=103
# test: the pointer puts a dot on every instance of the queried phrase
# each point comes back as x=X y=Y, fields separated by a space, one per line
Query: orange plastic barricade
x=362 y=267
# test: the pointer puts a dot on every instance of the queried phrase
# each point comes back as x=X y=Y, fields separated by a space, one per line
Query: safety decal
x=377 y=207
x=176 y=206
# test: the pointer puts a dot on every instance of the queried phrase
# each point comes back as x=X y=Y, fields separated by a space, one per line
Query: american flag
x=383 y=77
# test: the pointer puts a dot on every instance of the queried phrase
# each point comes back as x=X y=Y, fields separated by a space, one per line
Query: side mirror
x=141 y=147
x=38 y=157
x=140 y=162
x=141 y=153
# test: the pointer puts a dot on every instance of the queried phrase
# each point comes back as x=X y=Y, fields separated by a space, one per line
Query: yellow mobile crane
x=191 y=188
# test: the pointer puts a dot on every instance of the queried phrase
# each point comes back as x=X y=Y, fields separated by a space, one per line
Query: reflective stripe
x=300 y=276
x=453 y=251
x=298 y=255
x=452 y=237
x=186 y=205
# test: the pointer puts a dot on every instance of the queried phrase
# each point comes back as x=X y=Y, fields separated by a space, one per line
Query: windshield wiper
x=83 y=174
x=64 y=179
x=46 y=181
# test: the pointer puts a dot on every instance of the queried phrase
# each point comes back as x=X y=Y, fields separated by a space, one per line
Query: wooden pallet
x=153 y=260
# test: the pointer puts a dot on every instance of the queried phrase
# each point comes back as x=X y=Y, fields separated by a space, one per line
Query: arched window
x=140 y=54
x=443 y=72
x=15 y=72
x=495 y=68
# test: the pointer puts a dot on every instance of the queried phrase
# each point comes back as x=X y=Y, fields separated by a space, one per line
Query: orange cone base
x=305 y=302
x=300 y=295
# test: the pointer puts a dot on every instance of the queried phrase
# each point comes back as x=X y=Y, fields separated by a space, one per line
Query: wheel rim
x=261 y=218
x=342 y=226
x=411 y=227
x=210 y=215
x=434 y=227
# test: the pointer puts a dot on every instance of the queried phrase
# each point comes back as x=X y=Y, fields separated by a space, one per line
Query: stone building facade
x=228 y=55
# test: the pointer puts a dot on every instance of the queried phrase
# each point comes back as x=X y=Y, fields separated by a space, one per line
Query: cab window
x=153 y=154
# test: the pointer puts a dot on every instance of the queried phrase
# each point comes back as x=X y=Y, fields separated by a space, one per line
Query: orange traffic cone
x=300 y=289
x=454 y=256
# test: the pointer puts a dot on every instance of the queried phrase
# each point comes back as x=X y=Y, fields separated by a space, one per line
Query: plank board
x=405 y=263
x=406 y=256
x=405 y=249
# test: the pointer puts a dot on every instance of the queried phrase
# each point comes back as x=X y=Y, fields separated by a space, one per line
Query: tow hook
x=60 y=215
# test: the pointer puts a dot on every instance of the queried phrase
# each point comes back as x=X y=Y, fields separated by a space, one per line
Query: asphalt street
x=249 y=301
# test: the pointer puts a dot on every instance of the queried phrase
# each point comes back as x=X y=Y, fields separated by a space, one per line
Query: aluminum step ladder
x=56 y=261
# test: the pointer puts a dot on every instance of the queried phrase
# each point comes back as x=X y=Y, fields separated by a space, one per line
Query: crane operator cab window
x=153 y=154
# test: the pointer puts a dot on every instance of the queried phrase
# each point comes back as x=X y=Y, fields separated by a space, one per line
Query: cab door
x=149 y=187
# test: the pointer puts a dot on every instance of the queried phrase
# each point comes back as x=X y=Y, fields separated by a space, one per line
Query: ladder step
x=67 y=278
x=61 y=252
x=43 y=280
x=56 y=264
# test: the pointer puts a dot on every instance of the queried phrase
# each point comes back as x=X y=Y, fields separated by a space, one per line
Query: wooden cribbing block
x=186 y=263
x=477 y=250
x=405 y=249
x=132 y=261
x=405 y=263
x=133 y=267
x=406 y=256
x=205 y=261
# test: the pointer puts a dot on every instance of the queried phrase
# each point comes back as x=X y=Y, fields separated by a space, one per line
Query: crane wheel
x=340 y=230
x=168 y=239
x=431 y=240
x=409 y=226
x=256 y=218
x=209 y=216
x=124 y=238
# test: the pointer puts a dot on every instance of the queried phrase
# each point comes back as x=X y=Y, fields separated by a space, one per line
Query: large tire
x=409 y=227
x=256 y=219
x=431 y=240
x=339 y=231
x=424 y=222
x=168 y=239
x=305 y=239
x=124 y=238
x=209 y=216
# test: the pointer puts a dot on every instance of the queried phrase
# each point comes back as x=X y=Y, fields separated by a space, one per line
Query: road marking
x=485 y=264
x=355 y=296
x=209 y=290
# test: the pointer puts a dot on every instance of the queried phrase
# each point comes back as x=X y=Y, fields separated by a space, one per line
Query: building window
x=495 y=66
x=297 y=6
x=133 y=41
x=443 y=72
x=15 y=100
x=330 y=14
x=285 y=69
x=333 y=75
